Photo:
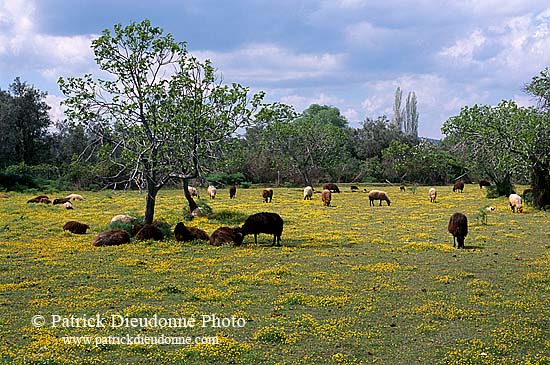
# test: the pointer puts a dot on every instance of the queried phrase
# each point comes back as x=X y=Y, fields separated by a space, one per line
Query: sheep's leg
x=255 y=238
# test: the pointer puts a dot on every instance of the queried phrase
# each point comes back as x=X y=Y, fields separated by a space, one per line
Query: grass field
x=352 y=284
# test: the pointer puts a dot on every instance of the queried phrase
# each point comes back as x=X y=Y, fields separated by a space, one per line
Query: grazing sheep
x=113 y=237
x=150 y=232
x=226 y=235
x=332 y=187
x=432 y=194
x=459 y=185
x=326 y=197
x=212 y=191
x=4 y=196
x=193 y=191
x=378 y=195
x=515 y=203
x=76 y=227
x=483 y=183
x=270 y=223
x=61 y=201
x=74 y=197
x=66 y=205
x=183 y=233
x=267 y=194
x=308 y=193
x=232 y=191
x=43 y=199
x=402 y=189
x=122 y=218
x=354 y=188
x=458 y=227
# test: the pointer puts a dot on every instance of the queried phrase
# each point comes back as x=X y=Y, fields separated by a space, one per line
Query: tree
x=326 y=114
x=503 y=141
x=397 y=113
x=162 y=111
x=411 y=116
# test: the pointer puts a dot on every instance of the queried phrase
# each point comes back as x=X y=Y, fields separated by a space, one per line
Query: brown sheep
x=183 y=233
x=76 y=227
x=432 y=194
x=354 y=188
x=113 y=237
x=61 y=201
x=267 y=194
x=226 y=235
x=232 y=191
x=149 y=232
x=459 y=185
x=4 y=196
x=402 y=188
x=264 y=222
x=458 y=227
x=40 y=199
x=378 y=195
x=483 y=183
x=332 y=187
x=326 y=197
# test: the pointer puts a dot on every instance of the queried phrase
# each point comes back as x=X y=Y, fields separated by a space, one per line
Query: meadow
x=351 y=284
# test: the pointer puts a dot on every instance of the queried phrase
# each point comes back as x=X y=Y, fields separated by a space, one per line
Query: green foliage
x=227 y=217
x=246 y=184
x=13 y=182
x=225 y=179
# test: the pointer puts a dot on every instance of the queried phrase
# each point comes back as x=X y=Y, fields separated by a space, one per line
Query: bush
x=15 y=182
x=225 y=179
x=246 y=184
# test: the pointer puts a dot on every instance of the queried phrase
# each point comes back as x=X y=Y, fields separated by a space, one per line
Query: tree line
x=163 y=117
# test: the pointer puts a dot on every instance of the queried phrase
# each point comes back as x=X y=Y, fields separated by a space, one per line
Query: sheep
x=113 y=237
x=264 y=222
x=232 y=191
x=226 y=235
x=193 y=191
x=267 y=194
x=432 y=194
x=66 y=205
x=308 y=192
x=402 y=188
x=4 y=196
x=183 y=233
x=76 y=227
x=122 y=218
x=332 y=187
x=212 y=191
x=74 y=197
x=43 y=199
x=326 y=197
x=459 y=185
x=148 y=232
x=61 y=201
x=378 y=195
x=458 y=227
x=483 y=183
x=354 y=188
x=515 y=203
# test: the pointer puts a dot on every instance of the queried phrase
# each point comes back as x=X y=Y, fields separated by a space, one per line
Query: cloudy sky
x=351 y=54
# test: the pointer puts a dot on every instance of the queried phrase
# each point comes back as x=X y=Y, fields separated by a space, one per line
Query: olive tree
x=161 y=110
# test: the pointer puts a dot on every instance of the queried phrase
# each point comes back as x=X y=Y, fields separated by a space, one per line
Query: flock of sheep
x=264 y=222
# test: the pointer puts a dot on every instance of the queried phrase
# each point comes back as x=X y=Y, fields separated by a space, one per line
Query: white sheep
x=66 y=205
x=212 y=191
x=308 y=193
x=193 y=191
x=122 y=218
x=515 y=203
x=74 y=197
x=432 y=194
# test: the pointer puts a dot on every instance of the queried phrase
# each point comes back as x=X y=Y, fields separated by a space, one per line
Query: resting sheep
x=267 y=194
x=226 y=235
x=76 y=227
x=113 y=237
x=458 y=227
x=150 y=232
x=74 y=197
x=378 y=195
x=308 y=193
x=122 y=218
x=354 y=188
x=232 y=191
x=4 y=196
x=270 y=223
x=483 y=183
x=212 y=191
x=459 y=185
x=515 y=203
x=332 y=187
x=326 y=197
x=43 y=199
x=432 y=194
x=61 y=201
x=183 y=233
x=66 y=205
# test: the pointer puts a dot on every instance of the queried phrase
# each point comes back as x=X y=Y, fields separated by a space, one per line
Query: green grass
x=352 y=284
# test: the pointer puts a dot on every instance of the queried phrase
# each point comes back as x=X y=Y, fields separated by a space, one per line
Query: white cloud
x=367 y=35
x=57 y=111
x=463 y=50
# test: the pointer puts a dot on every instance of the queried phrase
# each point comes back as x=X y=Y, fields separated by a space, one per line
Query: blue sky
x=350 y=54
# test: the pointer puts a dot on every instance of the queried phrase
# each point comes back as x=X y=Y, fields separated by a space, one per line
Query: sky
x=349 y=54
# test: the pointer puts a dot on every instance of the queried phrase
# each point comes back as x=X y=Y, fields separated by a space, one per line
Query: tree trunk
x=192 y=204
x=504 y=187
x=150 y=201
x=540 y=183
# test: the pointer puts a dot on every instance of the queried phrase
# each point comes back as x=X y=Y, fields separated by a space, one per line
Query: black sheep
x=332 y=187
x=270 y=223
x=483 y=183
x=113 y=237
x=459 y=185
x=232 y=191
x=458 y=227
x=183 y=233
x=148 y=232
x=267 y=194
x=76 y=227
x=226 y=235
